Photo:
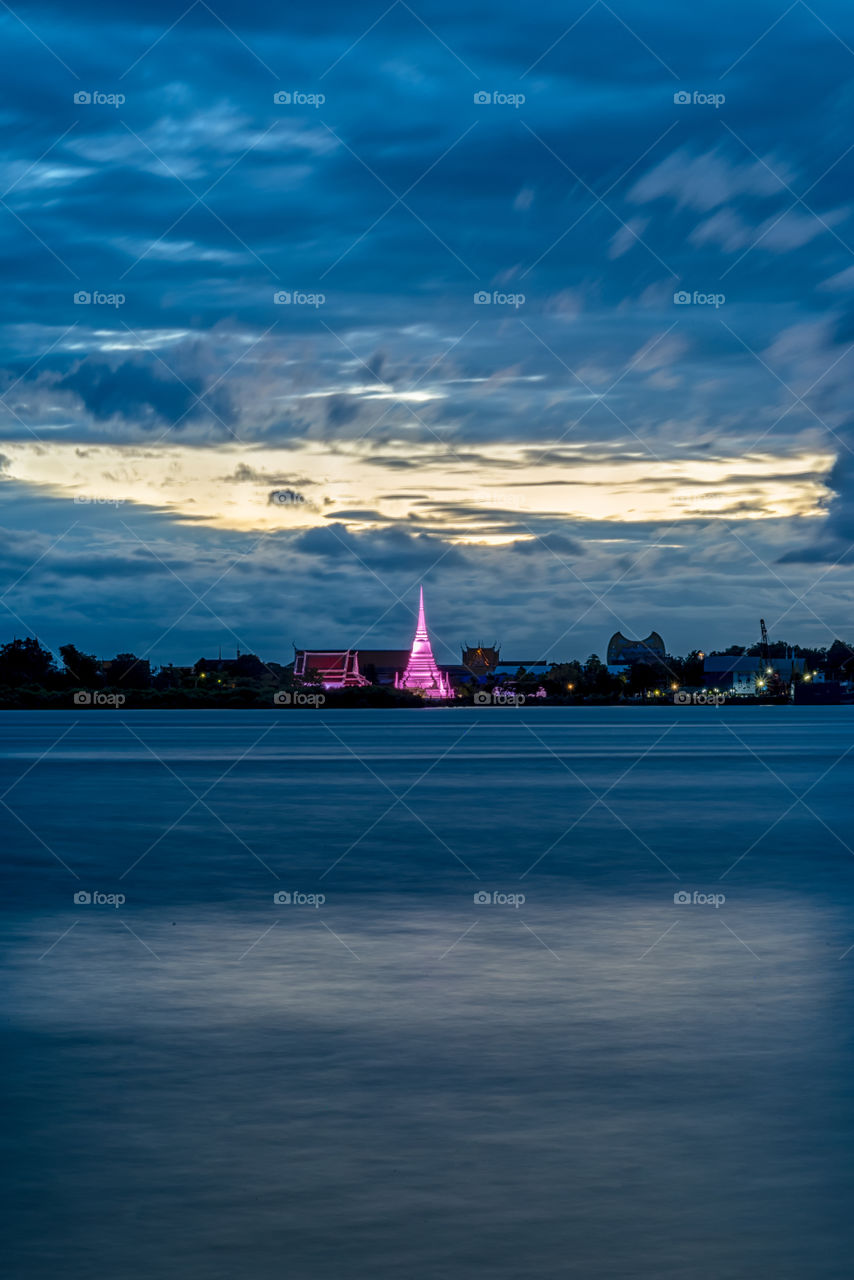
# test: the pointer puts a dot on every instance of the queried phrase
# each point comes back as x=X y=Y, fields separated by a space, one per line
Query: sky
x=547 y=307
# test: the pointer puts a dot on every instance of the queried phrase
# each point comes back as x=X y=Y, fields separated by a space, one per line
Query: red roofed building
x=337 y=668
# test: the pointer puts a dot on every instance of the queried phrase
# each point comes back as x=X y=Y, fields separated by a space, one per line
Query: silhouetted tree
x=840 y=660
x=598 y=681
x=25 y=662
x=82 y=668
x=128 y=670
x=689 y=671
x=641 y=677
x=561 y=676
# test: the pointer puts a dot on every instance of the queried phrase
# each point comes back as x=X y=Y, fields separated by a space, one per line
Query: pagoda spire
x=421 y=628
x=421 y=674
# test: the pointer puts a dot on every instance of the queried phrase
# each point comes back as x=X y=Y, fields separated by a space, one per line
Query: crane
x=772 y=681
x=764 y=638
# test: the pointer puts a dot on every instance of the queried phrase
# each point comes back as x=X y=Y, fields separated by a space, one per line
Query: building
x=422 y=675
x=480 y=660
x=335 y=668
x=624 y=653
x=383 y=666
x=415 y=668
x=745 y=676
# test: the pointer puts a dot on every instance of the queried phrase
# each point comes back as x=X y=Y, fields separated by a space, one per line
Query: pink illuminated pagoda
x=421 y=674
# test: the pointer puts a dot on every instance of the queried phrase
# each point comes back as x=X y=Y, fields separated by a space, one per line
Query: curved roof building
x=623 y=651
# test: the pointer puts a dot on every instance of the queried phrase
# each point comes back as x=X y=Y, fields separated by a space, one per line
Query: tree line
x=30 y=675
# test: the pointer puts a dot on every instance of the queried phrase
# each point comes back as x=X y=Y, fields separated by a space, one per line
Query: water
x=401 y=1081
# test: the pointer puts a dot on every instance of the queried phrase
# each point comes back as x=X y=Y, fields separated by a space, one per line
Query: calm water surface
x=584 y=1078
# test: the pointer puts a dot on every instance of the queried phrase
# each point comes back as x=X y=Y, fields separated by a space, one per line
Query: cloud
x=705 y=181
x=562 y=416
x=627 y=236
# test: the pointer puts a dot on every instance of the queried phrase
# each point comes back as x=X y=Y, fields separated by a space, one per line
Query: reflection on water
x=386 y=1077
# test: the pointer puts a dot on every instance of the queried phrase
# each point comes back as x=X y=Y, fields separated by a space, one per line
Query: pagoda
x=421 y=674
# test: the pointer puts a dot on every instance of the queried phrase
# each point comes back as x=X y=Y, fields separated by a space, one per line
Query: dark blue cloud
x=396 y=200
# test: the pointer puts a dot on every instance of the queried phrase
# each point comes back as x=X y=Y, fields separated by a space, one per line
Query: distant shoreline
x=338 y=704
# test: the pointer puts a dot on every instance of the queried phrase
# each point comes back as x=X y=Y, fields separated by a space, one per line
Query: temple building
x=335 y=668
x=480 y=659
x=383 y=666
x=422 y=675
